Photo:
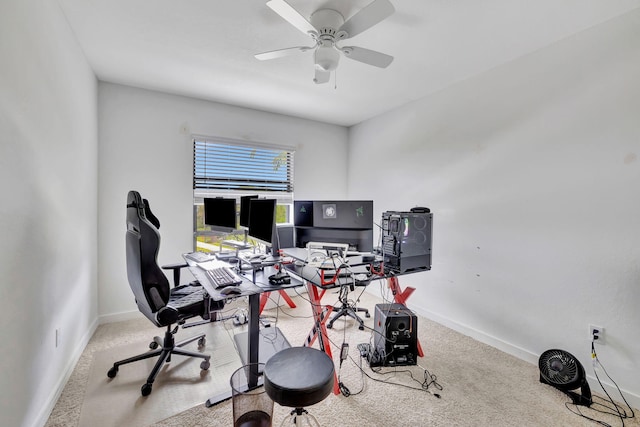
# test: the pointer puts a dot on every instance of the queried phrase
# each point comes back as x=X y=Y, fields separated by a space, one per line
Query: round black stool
x=297 y=377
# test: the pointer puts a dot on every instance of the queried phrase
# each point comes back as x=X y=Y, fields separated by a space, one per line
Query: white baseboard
x=119 y=317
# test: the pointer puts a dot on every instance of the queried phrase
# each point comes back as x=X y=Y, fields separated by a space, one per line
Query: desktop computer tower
x=406 y=240
x=396 y=336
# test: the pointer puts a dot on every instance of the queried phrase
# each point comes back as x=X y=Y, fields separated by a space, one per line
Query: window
x=233 y=168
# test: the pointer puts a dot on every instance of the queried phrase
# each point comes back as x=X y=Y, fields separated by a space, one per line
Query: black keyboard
x=198 y=256
x=222 y=277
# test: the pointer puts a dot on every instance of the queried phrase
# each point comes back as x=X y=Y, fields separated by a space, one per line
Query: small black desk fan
x=563 y=371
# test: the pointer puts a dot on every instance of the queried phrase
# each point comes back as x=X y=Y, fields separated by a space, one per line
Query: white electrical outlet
x=596 y=333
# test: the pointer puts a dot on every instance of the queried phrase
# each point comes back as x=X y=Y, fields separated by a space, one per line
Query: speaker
x=406 y=240
x=395 y=336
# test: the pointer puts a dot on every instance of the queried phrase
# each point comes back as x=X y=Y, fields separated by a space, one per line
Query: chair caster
x=329 y=326
x=146 y=389
x=204 y=365
x=367 y=314
x=202 y=342
x=112 y=372
x=361 y=327
x=153 y=345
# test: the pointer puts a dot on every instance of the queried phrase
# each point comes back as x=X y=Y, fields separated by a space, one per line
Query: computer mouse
x=229 y=290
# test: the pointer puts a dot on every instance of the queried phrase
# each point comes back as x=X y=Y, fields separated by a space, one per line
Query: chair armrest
x=167 y=315
x=176 y=271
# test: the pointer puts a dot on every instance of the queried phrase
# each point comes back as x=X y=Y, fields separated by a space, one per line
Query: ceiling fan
x=327 y=27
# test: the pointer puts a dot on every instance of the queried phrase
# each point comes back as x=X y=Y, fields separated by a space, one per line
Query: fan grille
x=560 y=368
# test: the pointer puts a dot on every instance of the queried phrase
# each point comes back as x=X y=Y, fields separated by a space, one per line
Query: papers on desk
x=210 y=265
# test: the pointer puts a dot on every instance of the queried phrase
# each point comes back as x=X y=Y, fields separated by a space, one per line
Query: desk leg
x=287 y=298
x=264 y=297
x=320 y=315
x=253 y=342
x=254 y=328
x=400 y=297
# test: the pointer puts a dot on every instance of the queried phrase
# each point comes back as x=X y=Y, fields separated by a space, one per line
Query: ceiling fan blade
x=366 y=18
x=289 y=14
x=367 y=56
x=282 y=52
x=321 y=76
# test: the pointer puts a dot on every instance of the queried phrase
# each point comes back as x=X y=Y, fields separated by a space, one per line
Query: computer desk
x=259 y=264
x=252 y=287
x=317 y=284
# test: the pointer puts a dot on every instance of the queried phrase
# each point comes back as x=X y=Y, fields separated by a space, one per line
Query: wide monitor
x=244 y=209
x=220 y=213
x=343 y=213
x=356 y=214
x=262 y=219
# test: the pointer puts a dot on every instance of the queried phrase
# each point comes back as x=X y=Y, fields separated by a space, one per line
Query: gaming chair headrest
x=140 y=209
x=135 y=209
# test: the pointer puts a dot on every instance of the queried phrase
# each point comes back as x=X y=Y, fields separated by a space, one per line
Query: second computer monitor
x=244 y=209
x=262 y=219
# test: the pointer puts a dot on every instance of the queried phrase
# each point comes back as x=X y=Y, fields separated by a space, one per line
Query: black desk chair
x=162 y=305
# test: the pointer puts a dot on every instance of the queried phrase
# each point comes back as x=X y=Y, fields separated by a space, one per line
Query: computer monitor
x=220 y=214
x=347 y=214
x=262 y=219
x=244 y=209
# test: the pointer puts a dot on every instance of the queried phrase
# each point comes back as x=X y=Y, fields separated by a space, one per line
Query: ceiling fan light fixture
x=327 y=27
x=326 y=58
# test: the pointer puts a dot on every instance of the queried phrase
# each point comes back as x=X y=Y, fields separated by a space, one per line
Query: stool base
x=300 y=417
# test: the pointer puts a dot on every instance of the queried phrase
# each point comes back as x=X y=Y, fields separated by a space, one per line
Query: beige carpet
x=480 y=385
x=180 y=384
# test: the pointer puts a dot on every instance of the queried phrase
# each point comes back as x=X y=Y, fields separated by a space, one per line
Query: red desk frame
x=264 y=297
x=320 y=315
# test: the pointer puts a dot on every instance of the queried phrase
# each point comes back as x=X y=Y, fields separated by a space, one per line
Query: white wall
x=48 y=215
x=145 y=145
x=532 y=173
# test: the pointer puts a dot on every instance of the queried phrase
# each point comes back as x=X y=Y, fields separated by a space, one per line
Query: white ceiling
x=204 y=48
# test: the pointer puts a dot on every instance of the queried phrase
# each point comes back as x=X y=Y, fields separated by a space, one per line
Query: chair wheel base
x=112 y=372
x=146 y=389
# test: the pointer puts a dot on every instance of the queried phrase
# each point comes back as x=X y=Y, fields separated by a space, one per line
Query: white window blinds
x=229 y=165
